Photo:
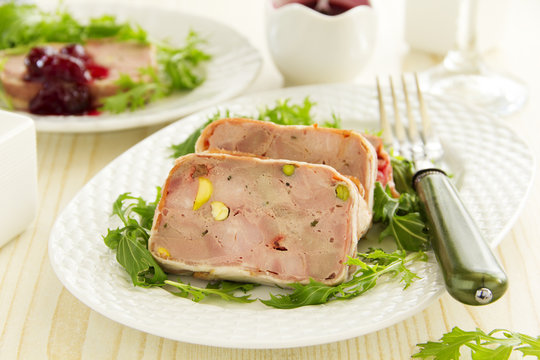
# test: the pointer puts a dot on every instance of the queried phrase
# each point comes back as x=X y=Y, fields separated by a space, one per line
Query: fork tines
x=406 y=141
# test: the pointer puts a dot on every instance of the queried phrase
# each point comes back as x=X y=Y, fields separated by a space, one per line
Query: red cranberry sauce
x=65 y=75
x=328 y=7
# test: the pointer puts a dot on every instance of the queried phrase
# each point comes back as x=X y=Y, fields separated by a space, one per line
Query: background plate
x=493 y=167
x=234 y=65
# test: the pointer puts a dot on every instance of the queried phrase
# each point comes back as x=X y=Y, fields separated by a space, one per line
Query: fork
x=471 y=272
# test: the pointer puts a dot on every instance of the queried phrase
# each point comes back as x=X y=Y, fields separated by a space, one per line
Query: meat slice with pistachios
x=349 y=152
x=246 y=218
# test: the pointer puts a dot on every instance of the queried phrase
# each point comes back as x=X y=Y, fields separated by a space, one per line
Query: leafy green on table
x=483 y=346
x=371 y=267
x=178 y=69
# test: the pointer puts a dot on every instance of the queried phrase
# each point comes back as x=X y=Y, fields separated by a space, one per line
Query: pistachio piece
x=288 y=169
x=220 y=211
x=164 y=253
x=342 y=192
x=203 y=193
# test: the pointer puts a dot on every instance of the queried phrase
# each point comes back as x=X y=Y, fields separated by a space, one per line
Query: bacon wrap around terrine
x=346 y=151
x=279 y=228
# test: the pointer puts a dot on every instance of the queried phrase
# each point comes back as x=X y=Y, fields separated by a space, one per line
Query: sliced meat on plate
x=346 y=151
x=246 y=218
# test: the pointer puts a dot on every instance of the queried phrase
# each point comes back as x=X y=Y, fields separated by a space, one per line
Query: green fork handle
x=472 y=274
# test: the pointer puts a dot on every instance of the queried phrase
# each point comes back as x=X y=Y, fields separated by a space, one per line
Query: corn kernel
x=220 y=211
x=203 y=193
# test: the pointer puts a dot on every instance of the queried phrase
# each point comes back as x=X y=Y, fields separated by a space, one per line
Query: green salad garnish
x=400 y=216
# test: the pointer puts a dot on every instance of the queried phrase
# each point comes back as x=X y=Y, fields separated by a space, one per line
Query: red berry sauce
x=65 y=75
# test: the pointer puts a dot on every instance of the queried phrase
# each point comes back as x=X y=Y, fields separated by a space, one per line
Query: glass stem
x=464 y=57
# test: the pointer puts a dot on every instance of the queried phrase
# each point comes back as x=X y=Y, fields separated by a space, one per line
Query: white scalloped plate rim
x=88 y=269
x=229 y=73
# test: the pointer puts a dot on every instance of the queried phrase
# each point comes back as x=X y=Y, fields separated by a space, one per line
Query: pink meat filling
x=346 y=151
x=280 y=228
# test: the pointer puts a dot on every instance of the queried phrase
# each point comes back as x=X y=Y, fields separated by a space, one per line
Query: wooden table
x=40 y=319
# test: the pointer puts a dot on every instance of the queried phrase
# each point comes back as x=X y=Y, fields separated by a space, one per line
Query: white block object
x=18 y=174
x=431 y=25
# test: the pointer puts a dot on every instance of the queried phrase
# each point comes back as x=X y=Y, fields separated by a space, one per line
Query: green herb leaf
x=136 y=94
x=223 y=289
x=483 y=346
x=179 y=69
x=130 y=242
x=377 y=264
x=106 y=26
x=188 y=146
x=26 y=24
x=402 y=170
x=409 y=232
x=139 y=263
x=181 y=65
x=284 y=113
x=531 y=345
x=404 y=222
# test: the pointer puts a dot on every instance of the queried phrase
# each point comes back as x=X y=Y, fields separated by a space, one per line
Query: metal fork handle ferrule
x=471 y=272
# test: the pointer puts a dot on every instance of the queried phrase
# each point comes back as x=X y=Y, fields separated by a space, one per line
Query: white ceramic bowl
x=18 y=174
x=309 y=47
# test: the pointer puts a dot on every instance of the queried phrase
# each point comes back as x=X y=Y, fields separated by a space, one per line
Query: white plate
x=234 y=65
x=495 y=170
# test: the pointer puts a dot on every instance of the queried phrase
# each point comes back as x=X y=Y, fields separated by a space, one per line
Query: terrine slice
x=347 y=151
x=261 y=220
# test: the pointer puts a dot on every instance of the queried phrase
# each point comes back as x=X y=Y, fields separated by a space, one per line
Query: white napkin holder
x=18 y=174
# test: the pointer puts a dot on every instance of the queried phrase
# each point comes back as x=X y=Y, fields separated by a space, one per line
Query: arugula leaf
x=181 y=65
x=178 y=70
x=26 y=24
x=223 y=289
x=483 y=346
x=404 y=223
x=284 y=113
x=130 y=242
x=131 y=245
x=135 y=94
x=402 y=170
x=377 y=263
x=188 y=145
x=106 y=26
